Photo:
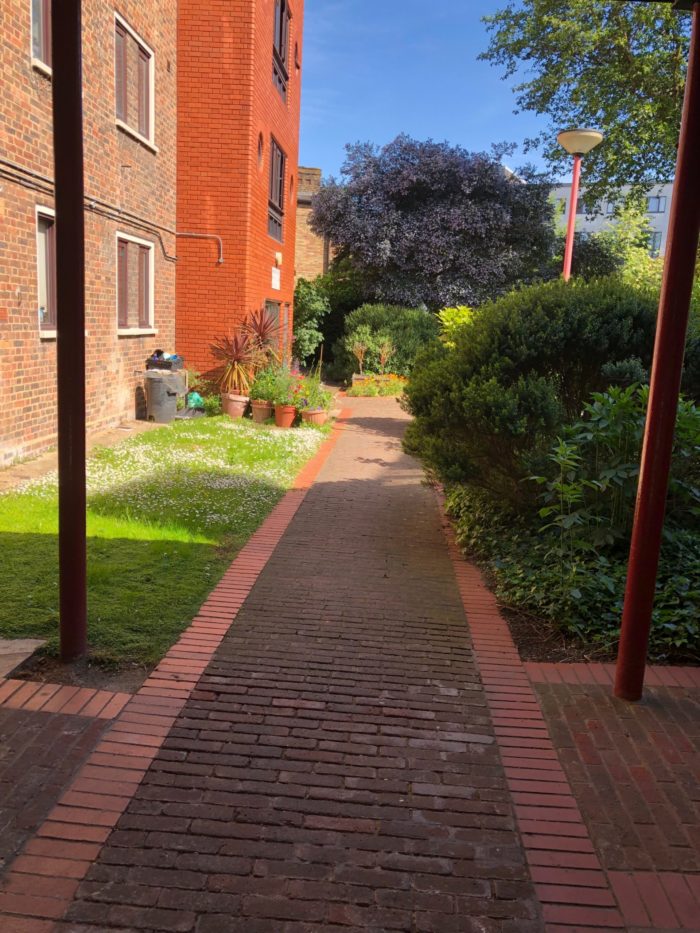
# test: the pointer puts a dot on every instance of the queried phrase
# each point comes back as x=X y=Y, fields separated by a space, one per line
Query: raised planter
x=285 y=415
x=314 y=415
x=261 y=410
x=234 y=405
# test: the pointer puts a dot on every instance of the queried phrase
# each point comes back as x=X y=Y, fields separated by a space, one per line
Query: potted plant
x=262 y=392
x=315 y=402
x=263 y=331
x=284 y=398
x=236 y=354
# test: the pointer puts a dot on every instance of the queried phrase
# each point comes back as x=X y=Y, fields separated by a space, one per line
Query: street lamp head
x=579 y=141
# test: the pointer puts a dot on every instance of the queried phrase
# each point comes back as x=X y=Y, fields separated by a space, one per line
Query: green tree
x=619 y=67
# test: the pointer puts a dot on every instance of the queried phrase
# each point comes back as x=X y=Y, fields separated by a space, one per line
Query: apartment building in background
x=191 y=124
x=312 y=251
x=592 y=218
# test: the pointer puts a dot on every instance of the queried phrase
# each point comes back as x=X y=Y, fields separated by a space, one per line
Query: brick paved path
x=336 y=768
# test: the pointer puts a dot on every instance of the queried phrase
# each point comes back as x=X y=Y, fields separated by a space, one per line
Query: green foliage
x=409 y=330
x=566 y=560
x=212 y=405
x=486 y=409
x=311 y=306
x=599 y=63
x=265 y=384
x=360 y=342
x=451 y=319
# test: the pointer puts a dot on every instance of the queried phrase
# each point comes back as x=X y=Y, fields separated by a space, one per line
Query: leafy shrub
x=409 y=330
x=264 y=385
x=486 y=409
x=212 y=405
x=451 y=320
x=311 y=306
x=567 y=561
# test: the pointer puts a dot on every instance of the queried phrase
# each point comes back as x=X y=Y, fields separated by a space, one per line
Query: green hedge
x=410 y=330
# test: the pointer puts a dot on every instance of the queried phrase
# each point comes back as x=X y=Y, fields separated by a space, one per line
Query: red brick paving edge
x=43 y=878
x=576 y=893
x=657 y=675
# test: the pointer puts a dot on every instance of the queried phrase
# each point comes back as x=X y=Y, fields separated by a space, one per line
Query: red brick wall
x=226 y=101
x=118 y=170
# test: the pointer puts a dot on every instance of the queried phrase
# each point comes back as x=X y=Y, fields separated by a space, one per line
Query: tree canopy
x=618 y=67
x=429 y=223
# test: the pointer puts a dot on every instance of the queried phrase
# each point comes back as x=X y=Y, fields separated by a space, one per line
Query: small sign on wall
x=276 y=278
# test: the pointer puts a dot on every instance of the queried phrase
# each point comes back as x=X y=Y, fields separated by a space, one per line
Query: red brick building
x=130 y=131
x=187 y=107
x=239 y=84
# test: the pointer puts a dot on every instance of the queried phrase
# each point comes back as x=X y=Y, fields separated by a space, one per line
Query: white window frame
x=45 y=333
x=150 y=140
x=136 y=331
x=37 y=63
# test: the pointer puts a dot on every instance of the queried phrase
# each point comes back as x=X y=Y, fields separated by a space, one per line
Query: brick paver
x=336 y=766
x=38 y=757
x=635 y=770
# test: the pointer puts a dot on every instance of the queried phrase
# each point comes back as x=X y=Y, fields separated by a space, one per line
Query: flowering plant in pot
x=262 y=393
x=237 y=356
x=315 y=402
x=285 y=398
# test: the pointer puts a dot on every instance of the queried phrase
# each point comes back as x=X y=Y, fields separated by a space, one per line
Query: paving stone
x=336 y=767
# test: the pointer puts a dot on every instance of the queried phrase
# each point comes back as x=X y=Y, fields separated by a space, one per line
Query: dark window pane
x=41 y=30
x=276 y=197
x=144 y=290
x=123 y=283
x=120 y=71
x=144 y=92
x=46 y=268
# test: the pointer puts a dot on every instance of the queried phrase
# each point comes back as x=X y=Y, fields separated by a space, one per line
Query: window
x=134 y=283
x=655 y=242
x=41 y=31
x=656 y=205
x=133 y=82
x=278 y=162
x=280 y=47
x=46 y=268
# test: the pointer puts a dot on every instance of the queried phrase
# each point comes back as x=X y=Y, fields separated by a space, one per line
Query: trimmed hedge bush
x=486 y=409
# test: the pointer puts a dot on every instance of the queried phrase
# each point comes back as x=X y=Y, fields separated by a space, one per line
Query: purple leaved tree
x=429 y=223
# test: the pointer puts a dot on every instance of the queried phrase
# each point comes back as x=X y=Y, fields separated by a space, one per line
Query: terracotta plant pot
x=314 y=415
x=261 y=410
x=234 y=405
x=285 y=415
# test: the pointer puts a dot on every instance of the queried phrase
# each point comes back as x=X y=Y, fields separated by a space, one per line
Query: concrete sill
x=130 y=131
x=42 y=67
x=136 y=332
x=53 y=334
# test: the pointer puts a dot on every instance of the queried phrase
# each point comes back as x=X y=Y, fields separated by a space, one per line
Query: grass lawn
x=167 y=512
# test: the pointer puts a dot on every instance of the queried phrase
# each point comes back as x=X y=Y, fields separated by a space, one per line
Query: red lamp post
x=669 y=349
x=577 y=143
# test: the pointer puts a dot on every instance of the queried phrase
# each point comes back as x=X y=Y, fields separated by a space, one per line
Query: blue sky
x=376 y=68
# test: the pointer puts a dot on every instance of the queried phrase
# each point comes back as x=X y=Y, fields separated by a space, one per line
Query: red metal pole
x=70 y=323
x=571 y=225
x=679 y=268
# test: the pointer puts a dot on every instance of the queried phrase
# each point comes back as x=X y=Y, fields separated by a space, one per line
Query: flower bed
x=373 y=385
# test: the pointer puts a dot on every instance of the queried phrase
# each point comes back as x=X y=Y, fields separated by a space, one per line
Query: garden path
x=336 y=767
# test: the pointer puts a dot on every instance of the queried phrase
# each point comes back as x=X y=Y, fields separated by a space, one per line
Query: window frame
x=660 y=200
x=144 y=327
x=282 y=17
x=656 y=238
x=148 y=139
x=41 y=212
x=41 y=61
x=275 y=205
